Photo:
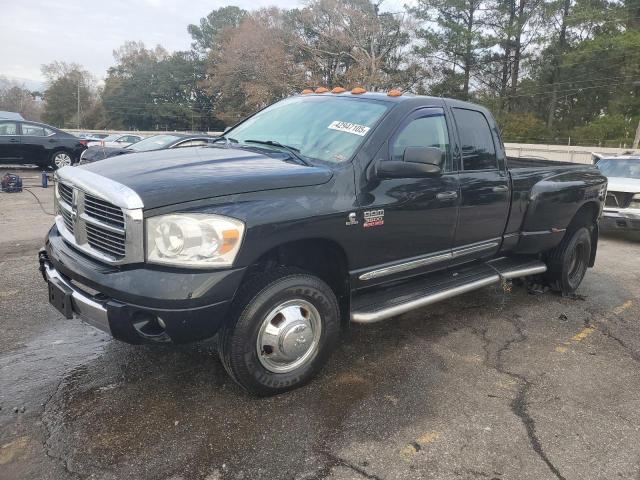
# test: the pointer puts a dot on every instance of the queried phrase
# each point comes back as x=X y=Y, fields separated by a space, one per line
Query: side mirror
x=226 y=130
x=431 y=155
x=418 y=162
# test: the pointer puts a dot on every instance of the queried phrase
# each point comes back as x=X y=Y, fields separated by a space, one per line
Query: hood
x=96 y=152
x=166 y=177
x=623 y=184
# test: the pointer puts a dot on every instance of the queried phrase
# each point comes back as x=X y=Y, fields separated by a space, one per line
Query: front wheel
x=568 y=262
x=282 y=329
x=60 y=159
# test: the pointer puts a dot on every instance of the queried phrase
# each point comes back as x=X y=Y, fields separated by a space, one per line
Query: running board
x=379 y=305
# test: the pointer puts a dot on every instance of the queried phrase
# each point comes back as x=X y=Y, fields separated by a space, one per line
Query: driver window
x=425 y=131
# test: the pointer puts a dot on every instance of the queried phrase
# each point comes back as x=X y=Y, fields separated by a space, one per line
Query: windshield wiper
x=295 y=152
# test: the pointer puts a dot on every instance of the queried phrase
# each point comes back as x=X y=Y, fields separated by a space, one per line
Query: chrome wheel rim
x=62 y=160
x=289 y=336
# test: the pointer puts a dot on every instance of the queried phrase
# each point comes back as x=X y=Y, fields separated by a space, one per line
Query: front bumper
x=624 y=219
x=140 y=303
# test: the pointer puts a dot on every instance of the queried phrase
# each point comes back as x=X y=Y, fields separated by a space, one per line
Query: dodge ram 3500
x=320 y=210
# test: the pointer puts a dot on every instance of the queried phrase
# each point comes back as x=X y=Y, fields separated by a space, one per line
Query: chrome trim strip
x=372 y=317
x=100 y=186
x=465 y=250
x=84 y=307
x=429 y=260
x=402 y=267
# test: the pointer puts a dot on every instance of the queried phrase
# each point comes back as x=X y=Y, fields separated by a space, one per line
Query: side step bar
x=424 y=292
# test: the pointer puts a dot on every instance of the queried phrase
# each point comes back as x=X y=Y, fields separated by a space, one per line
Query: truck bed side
x=546 y=197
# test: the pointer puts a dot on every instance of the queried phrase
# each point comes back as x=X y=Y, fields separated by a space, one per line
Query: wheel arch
x=319 y=256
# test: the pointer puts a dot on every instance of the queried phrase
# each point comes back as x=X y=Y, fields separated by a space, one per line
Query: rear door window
x=478 y=150
x=33 y=130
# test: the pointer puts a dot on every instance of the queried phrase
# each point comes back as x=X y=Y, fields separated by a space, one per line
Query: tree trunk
x=506 y=63
x=636 y=140
x=517 y=54
x=468 y=53
x=557 y=58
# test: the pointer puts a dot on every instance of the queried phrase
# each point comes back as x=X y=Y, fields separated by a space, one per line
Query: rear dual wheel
x=283 y=326
x=568 y=262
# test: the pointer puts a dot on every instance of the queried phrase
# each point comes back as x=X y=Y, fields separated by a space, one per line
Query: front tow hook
x=42 y=259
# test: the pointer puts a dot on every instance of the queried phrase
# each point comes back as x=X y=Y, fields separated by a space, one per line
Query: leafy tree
x=452 y=33
x=69 y=88
x=17 y=98
x=205 y=35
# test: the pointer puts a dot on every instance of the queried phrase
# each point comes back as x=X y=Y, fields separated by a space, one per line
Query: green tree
x=70 y=91
x=205 y=35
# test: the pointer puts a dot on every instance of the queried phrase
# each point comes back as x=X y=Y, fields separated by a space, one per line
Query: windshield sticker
x=349 y=128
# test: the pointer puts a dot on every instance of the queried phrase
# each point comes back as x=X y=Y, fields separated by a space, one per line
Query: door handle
x=447 y=196
x=13 y=140
x=500 y=189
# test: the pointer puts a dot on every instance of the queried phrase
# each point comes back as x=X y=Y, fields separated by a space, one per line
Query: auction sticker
x=349 y=128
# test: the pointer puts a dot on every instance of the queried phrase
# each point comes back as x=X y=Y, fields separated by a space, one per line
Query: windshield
x=112 y=138
x=325 y=128
x=620 y=168
x=157 y=142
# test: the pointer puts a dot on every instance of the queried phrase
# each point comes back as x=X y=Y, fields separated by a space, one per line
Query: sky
x=35 y=32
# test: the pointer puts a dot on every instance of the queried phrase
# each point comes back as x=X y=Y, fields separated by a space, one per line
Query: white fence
x=560 y=153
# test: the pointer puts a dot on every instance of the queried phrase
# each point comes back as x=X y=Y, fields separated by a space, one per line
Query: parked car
x=155 y=142
x=86 y=137
x=622 y=206
x=116 y=140
x=23 y=142
x=320 y=210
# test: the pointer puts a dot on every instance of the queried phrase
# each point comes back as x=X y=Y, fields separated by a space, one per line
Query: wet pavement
x=491 y=385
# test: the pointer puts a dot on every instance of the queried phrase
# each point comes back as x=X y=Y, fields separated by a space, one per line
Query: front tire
x=568 y=262
x=282 y=329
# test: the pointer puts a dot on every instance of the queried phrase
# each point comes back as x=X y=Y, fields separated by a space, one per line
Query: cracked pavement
x=490 y=385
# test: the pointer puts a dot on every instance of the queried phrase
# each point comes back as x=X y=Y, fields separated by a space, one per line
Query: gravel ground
x=491 y=385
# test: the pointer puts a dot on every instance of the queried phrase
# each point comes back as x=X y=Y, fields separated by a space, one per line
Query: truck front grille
x=93 y=224
x=618 y=199
x=103 y=211
x=106 y=241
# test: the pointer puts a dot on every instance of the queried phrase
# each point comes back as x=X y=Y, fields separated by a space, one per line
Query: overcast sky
x=34 y=32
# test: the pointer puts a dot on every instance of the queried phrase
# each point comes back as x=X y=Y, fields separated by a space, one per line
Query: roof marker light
x=394 y=93
x=322 y=90
x=306 y=91
x=358 y=91
x=338 y=90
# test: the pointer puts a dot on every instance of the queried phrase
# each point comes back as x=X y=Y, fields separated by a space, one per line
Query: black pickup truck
x=320 y=210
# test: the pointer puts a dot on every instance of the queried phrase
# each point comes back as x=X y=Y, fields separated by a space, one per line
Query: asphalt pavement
x=491 y=385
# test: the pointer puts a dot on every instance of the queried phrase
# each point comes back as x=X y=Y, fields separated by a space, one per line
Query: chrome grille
x=106 y=241
x=618 y=199
x=103 y=211
x=68 y=221
x=66 y=193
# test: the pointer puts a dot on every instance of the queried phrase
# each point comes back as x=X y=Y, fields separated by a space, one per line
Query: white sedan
x=116 y=140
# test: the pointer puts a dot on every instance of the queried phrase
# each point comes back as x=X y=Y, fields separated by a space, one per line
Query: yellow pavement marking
x=618 y=310
x=429 y=438
x=578 y=337
x=412 y=448
x=10 y=450
x=584 y=333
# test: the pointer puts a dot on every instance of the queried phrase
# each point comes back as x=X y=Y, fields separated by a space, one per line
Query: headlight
x=635 y=201
x=193 y=240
